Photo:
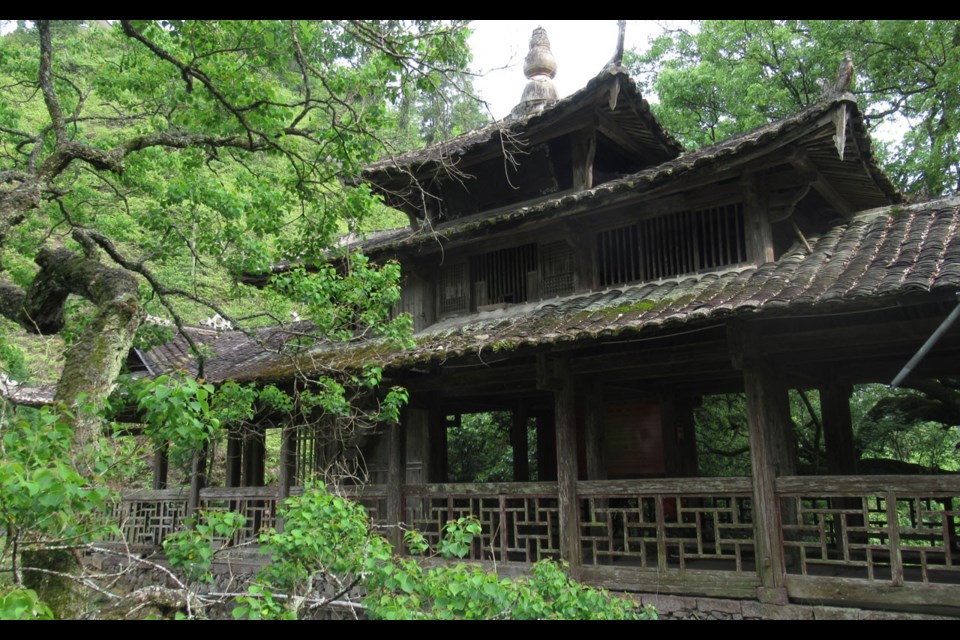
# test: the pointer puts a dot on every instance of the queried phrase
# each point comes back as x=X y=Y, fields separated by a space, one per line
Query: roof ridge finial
x=540 y=67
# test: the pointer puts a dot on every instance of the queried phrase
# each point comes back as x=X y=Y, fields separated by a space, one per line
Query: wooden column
x=253 y=458
x=234 y=458
x=554 y=374
x=756 y=221
x=546 y=448
x=288 y=460
x=770 y=453
x=396 y=462
x=596 y=439
x=518 y=441
x=437 y=428
x=838 y=427
x=686 y=436
x=160 y=467
x=198 y=478
x=583 y=150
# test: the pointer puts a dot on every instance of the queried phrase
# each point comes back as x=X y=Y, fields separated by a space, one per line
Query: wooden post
x=756 y=221
x=838 y=427
x=288 y=466
x=546 y=448
x=686 y=436
x=770 y=454
x=396 y=461
x=160 y=466
x=437 y=428
x=253 y=458
x=518 y=440
x=596 y=439
x=554 y=374
x=288 y=460
x=583 y=150
x=234 y=458
x=198 y=479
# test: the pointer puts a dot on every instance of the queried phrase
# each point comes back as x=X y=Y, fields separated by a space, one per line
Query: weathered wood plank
x=179 y=493
x=689 y=582
x=239 y=493
x=838 y=427
x=481 y=488
x=671 y=486
x=518 y=442
x=759 y=236
x=853 y=592
x=927 y=486
x=160 y=466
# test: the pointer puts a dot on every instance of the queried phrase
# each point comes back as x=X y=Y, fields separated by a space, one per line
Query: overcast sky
x=581 y=47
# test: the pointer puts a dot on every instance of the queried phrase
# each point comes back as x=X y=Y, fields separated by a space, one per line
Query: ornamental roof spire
x=540 y=67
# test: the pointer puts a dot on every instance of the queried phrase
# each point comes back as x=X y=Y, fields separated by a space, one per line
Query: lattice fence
x=147 y=518
x=260 y=512
x=667 y=531
x=889 y=536
x=515 y=528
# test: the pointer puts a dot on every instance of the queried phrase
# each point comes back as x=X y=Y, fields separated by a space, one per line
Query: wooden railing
x=895 y=529
x=881 y=539
x=669 y=524
x=520 y=521
x=146 y=517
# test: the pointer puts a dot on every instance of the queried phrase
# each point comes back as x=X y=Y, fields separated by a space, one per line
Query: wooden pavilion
x=572 y=265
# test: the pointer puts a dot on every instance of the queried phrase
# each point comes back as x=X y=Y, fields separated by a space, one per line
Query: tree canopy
x=727 y=76
x=222 y=143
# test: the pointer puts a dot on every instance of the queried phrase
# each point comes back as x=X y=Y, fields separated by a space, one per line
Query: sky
x=582 y=48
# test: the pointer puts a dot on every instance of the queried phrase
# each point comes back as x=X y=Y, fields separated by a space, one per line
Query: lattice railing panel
x=884 y=536
x=147 y=521
x=515 y=528
x=260 y=513
x=665 y=531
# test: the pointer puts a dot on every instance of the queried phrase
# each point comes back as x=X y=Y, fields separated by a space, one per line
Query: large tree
x=125 y=145
x=722 y=77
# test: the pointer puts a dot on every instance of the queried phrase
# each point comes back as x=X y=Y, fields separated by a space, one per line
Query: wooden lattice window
x=556 y=269
x=454 y=289
x=505 y=276
x=672 y=245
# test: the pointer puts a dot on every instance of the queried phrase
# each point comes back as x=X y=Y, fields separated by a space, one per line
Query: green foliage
x=178 y=411
x=192 y=550
x=23 y=604
x=327 y=551
x=479 y=448
x=728 y=76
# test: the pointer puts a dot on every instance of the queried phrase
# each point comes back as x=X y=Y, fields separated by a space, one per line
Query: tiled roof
x=450 y=150
x=688 y=164
x=229 y=351
x=877 y=256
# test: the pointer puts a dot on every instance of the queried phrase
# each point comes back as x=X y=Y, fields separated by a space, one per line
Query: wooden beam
x=612 y=130
x=566 y=433
x=873 y=593
x=801 y=161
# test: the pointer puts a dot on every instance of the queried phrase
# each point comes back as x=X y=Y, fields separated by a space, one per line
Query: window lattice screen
x=672 y=245
x=454 y=289
x=556 y=269
x=504 y=275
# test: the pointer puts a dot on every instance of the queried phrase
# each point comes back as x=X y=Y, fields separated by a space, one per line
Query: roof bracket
x=840 y=117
